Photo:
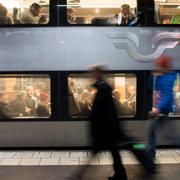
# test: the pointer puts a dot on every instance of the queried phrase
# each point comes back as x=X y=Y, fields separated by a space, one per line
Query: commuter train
x=43 y=79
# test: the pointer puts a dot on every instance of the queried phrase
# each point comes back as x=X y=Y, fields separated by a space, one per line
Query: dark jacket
x=4 y=110
x=105 y=129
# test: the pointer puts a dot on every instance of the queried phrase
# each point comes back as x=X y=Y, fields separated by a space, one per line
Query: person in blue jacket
x=163 y=98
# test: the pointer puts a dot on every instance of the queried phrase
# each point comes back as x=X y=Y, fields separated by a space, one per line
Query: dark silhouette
x=105 y=129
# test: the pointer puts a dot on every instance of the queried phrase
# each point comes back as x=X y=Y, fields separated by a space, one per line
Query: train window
x=81 y=94
x=177 y=97
x=167 y=11
x=118 y=12
x=25 y=96
x=24 y=12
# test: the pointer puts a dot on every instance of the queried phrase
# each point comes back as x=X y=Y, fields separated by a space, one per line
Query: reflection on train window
x=81 y=94
x=25 y=96
x=177 y=97
x=118 y=12
x=167 y=11
x=24 y=11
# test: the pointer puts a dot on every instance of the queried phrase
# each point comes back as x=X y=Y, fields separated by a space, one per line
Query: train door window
x=81 y=94
x=97 y=12
x=24 y=12
x=25 y=96
x=176 y=97
x=167 y=11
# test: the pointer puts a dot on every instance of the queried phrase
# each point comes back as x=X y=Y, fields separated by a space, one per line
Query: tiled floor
x=25 y=158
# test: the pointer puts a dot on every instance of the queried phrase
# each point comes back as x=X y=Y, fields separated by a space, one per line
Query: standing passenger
x=33 y=15
x=163 y=105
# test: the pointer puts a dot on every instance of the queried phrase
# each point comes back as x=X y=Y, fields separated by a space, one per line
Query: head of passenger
x=35 y=9
x=131 y=89
x=44 y=97
x=3 y=15
x=117 y=95
x=162 y=65
x=125 y=9
x=30 y=91
x=3 y=98
x=166 y=21
x=97 y=72
x=71 y=15
x=39 y=88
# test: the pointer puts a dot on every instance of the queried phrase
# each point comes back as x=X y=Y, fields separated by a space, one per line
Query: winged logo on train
x=131 y=43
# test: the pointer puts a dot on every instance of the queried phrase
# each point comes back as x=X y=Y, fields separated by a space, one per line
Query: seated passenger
x=30 y=101
x=71 y=19
x=122 y=110
x=18 y=105
x=125 y=17
x=5 y=110
x=33 y=15
x=15 y=16
x=85 y=103
x=43 y=109
x=4 y=19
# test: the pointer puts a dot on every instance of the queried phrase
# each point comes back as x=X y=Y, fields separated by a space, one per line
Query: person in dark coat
x=5 y=110
x=105 y=129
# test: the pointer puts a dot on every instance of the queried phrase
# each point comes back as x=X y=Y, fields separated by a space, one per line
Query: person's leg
x=154 y=123
x=120 y=172
x=152 y=137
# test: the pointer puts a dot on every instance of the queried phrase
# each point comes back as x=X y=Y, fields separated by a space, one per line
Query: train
x=52 y=61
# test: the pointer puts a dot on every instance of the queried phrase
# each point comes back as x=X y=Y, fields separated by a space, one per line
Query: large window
x=25 y=96
x=167 y=11
x=119 y=12
x=24 y=12
x=177 y=97
x=81 y=94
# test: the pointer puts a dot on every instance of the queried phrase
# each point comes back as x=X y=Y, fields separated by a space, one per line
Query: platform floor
x=94 y=172
x=25 y=158
x=57 y=165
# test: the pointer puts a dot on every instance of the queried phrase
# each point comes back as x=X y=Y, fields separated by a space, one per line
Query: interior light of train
x=96 y=10
x=102 y=4
x=10 y=3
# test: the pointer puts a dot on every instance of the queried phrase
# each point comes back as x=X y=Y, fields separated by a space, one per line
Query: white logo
x=130 y=42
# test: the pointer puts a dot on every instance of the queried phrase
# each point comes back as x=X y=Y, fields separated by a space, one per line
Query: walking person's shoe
x=117 y=177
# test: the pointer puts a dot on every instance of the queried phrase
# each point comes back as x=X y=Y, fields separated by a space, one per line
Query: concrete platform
x=94 y=172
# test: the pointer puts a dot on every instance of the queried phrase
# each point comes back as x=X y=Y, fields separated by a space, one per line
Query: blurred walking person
x=164 y=79
x=105 y=129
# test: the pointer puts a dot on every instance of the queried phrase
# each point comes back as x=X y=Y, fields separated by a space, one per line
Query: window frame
x=53 y=18
x=141 y=95
x=55 y=113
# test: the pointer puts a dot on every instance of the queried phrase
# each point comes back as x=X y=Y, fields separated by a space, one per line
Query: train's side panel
x=59 y=49
x=67 y=134
x=77 y=48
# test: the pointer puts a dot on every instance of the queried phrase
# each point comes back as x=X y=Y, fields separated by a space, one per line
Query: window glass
x=24 y=11
x=25 y=96
x=81 y=94
x=119 y=12
x=177 y=97
x=167 y=11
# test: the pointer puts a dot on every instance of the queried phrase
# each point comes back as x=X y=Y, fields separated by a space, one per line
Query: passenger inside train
x=24 y=12
x=26 y=97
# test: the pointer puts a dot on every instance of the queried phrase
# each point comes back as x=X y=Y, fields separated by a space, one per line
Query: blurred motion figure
x=163 y=98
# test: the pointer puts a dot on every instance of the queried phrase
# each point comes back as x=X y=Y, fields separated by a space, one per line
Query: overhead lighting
x=96 y=11
x=178 y=7
x=42 y=1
